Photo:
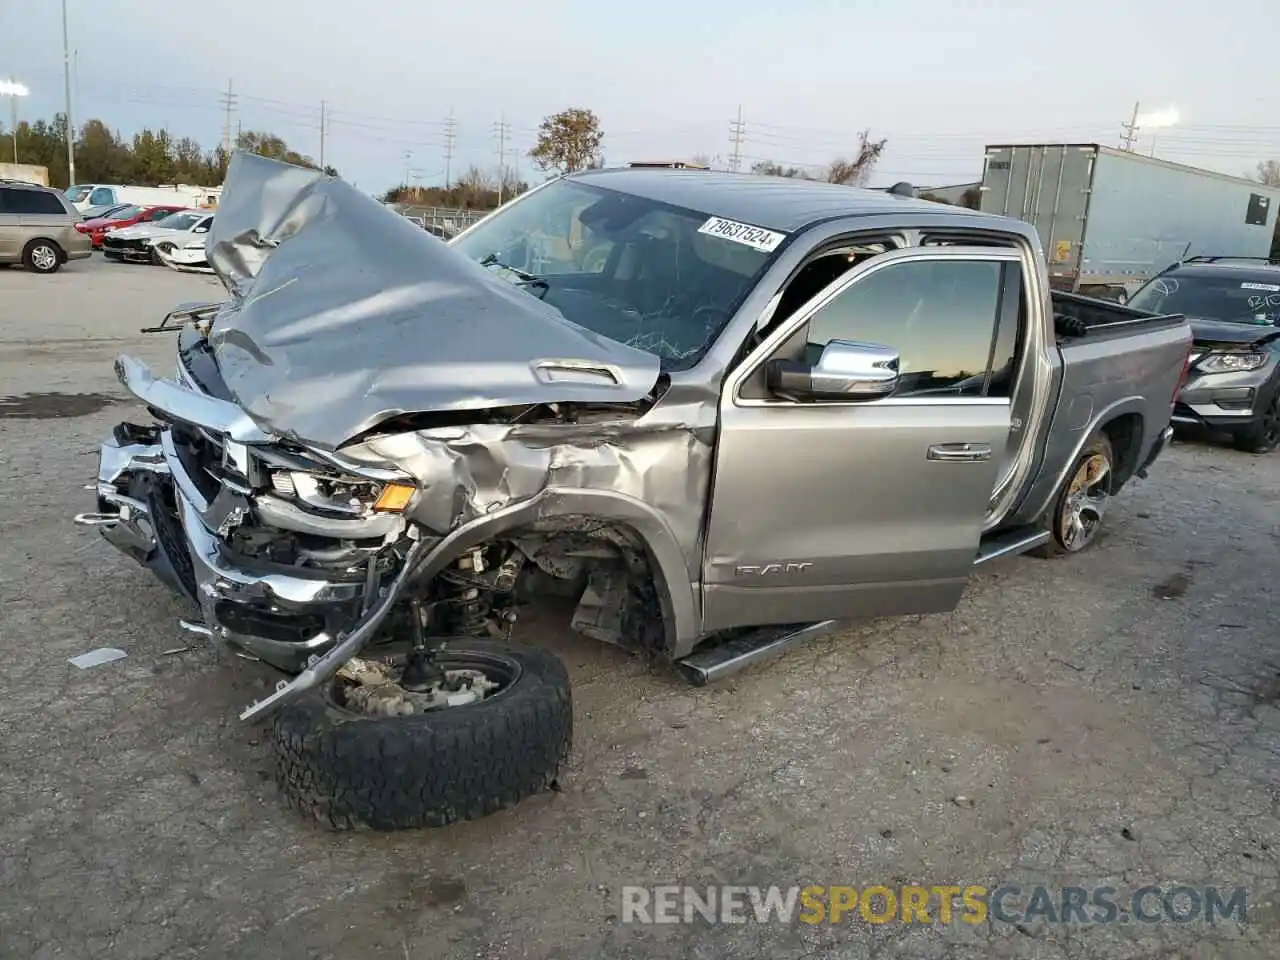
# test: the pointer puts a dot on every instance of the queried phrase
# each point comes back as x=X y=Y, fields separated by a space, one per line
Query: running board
x=708 y=666
x=1010 y=543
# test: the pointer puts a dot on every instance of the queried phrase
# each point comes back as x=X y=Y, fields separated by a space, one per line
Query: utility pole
x=450 y=136
x=737 y=134
x=228 y=104
x=71 y=127
x=322 y=125
x=503 y=130
x=408 y=155
x=1130 y=130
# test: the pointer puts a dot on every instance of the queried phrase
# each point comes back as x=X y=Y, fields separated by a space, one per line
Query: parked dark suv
x=1233 y=304
x=38 y=228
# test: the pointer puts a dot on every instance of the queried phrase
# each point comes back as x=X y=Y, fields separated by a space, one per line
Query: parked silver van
x=37 y=228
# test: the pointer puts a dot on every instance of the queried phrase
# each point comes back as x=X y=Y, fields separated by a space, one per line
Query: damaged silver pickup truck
x=723 y=412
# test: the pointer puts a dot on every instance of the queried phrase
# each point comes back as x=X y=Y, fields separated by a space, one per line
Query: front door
x=865 y=508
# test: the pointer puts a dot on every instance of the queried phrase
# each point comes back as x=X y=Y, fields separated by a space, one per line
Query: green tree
x=568 y=141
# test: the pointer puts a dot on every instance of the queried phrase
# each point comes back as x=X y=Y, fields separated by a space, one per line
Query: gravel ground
x=1108 y=719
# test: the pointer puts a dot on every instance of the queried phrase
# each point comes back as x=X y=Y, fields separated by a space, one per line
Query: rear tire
x=351 y=770
x=1076 y=515
x=42 y=256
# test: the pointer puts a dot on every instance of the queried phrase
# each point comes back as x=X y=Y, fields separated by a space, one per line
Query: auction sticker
x=766 y=241
x=1268 y=287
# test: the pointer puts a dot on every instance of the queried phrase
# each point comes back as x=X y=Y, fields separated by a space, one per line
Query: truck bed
x=1075 y=315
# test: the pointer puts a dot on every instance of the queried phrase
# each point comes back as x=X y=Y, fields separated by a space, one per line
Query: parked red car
x=125 y=217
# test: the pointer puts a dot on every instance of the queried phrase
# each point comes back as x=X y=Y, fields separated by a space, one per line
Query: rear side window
x=30 y=202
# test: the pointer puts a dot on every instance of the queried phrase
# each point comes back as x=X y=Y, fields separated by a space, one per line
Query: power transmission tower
x=322 y=132
x=502 y=130
x=1130 y=130
x=228 y=101
x=450 y=136
x=737 y=134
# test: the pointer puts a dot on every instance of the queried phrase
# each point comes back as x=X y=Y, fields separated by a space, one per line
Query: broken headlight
x=352 y=497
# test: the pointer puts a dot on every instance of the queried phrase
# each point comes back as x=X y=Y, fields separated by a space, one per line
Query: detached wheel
x=42 y=256
x=1077 y=513
x=367 y=753
x=1263 y=436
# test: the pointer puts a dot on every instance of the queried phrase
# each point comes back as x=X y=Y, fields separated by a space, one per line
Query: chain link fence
x=442 y=221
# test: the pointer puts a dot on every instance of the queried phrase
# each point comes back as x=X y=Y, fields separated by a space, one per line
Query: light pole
x=71 y=127
x=13 y=90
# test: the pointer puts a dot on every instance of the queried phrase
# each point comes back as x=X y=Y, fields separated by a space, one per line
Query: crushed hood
x=344 y=314
x=1211 y=333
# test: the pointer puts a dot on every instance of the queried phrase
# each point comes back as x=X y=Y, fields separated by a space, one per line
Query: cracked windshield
x=622 y=266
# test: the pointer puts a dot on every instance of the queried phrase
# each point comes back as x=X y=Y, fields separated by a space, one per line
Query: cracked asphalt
x=1110 y=719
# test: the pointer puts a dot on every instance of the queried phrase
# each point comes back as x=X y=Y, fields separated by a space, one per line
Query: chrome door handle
x=960 y=452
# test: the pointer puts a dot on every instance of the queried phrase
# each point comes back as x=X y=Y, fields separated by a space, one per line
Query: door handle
x=960 y=452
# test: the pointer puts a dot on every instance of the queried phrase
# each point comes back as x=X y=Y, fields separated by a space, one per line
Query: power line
x=228 y=104
x=502 y=130
x=450 y=137
x=737 y=134
x=1130 y=129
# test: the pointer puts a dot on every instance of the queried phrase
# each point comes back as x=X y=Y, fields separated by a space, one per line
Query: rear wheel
x=1263 y=436
x=1076 y=516
x=42 y=256
x=366 y=752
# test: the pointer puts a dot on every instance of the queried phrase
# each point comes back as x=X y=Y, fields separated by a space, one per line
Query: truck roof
x=776 y=203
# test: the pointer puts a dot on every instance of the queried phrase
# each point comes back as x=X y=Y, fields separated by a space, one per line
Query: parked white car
x=184 y=228
x=85 y=195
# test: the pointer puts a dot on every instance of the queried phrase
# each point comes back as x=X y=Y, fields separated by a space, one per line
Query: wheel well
x=62 y=254
x=606 y=566
x=1125 y=433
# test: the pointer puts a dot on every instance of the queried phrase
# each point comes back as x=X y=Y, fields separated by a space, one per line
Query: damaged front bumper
x=154 y=505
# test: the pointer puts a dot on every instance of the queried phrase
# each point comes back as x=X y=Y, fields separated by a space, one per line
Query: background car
x=37 y=228
x=1233 y=304
x=134 y=243
x=126 y=216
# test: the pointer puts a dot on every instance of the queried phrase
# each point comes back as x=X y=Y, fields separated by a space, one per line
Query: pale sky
x=938 y=78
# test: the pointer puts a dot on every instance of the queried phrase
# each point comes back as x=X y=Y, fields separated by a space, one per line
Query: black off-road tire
x=1263 y=436
x=350 y=770
x=1098 y=444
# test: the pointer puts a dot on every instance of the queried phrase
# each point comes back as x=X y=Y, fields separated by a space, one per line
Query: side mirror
x=847 y=370
x=200 y=230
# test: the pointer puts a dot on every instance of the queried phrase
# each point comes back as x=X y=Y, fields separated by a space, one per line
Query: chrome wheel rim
x=1086 y=502
x=44 y=258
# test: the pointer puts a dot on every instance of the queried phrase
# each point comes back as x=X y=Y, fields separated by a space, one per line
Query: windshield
x=77 y=193
x=181 y=221
x=631 y=269
x=1232 y=298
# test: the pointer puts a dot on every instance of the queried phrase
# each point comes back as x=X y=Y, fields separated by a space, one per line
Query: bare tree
x=1269 y=172
x=857 y=171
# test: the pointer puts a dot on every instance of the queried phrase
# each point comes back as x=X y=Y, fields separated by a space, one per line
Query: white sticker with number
x=766 y=241
x=1269 y=287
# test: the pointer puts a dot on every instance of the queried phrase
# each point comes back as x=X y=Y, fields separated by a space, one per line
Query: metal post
x=322 y=105
x=502 y=155
x=71 y=127
x=13 y=107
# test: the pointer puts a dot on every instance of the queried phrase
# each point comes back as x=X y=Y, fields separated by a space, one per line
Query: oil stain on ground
x=52 y=406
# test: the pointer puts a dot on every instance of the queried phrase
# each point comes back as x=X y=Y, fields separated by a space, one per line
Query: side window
x=6 y=200
x=102 y=196
x=47 y=203
x=31 y=202
x=940 y=315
